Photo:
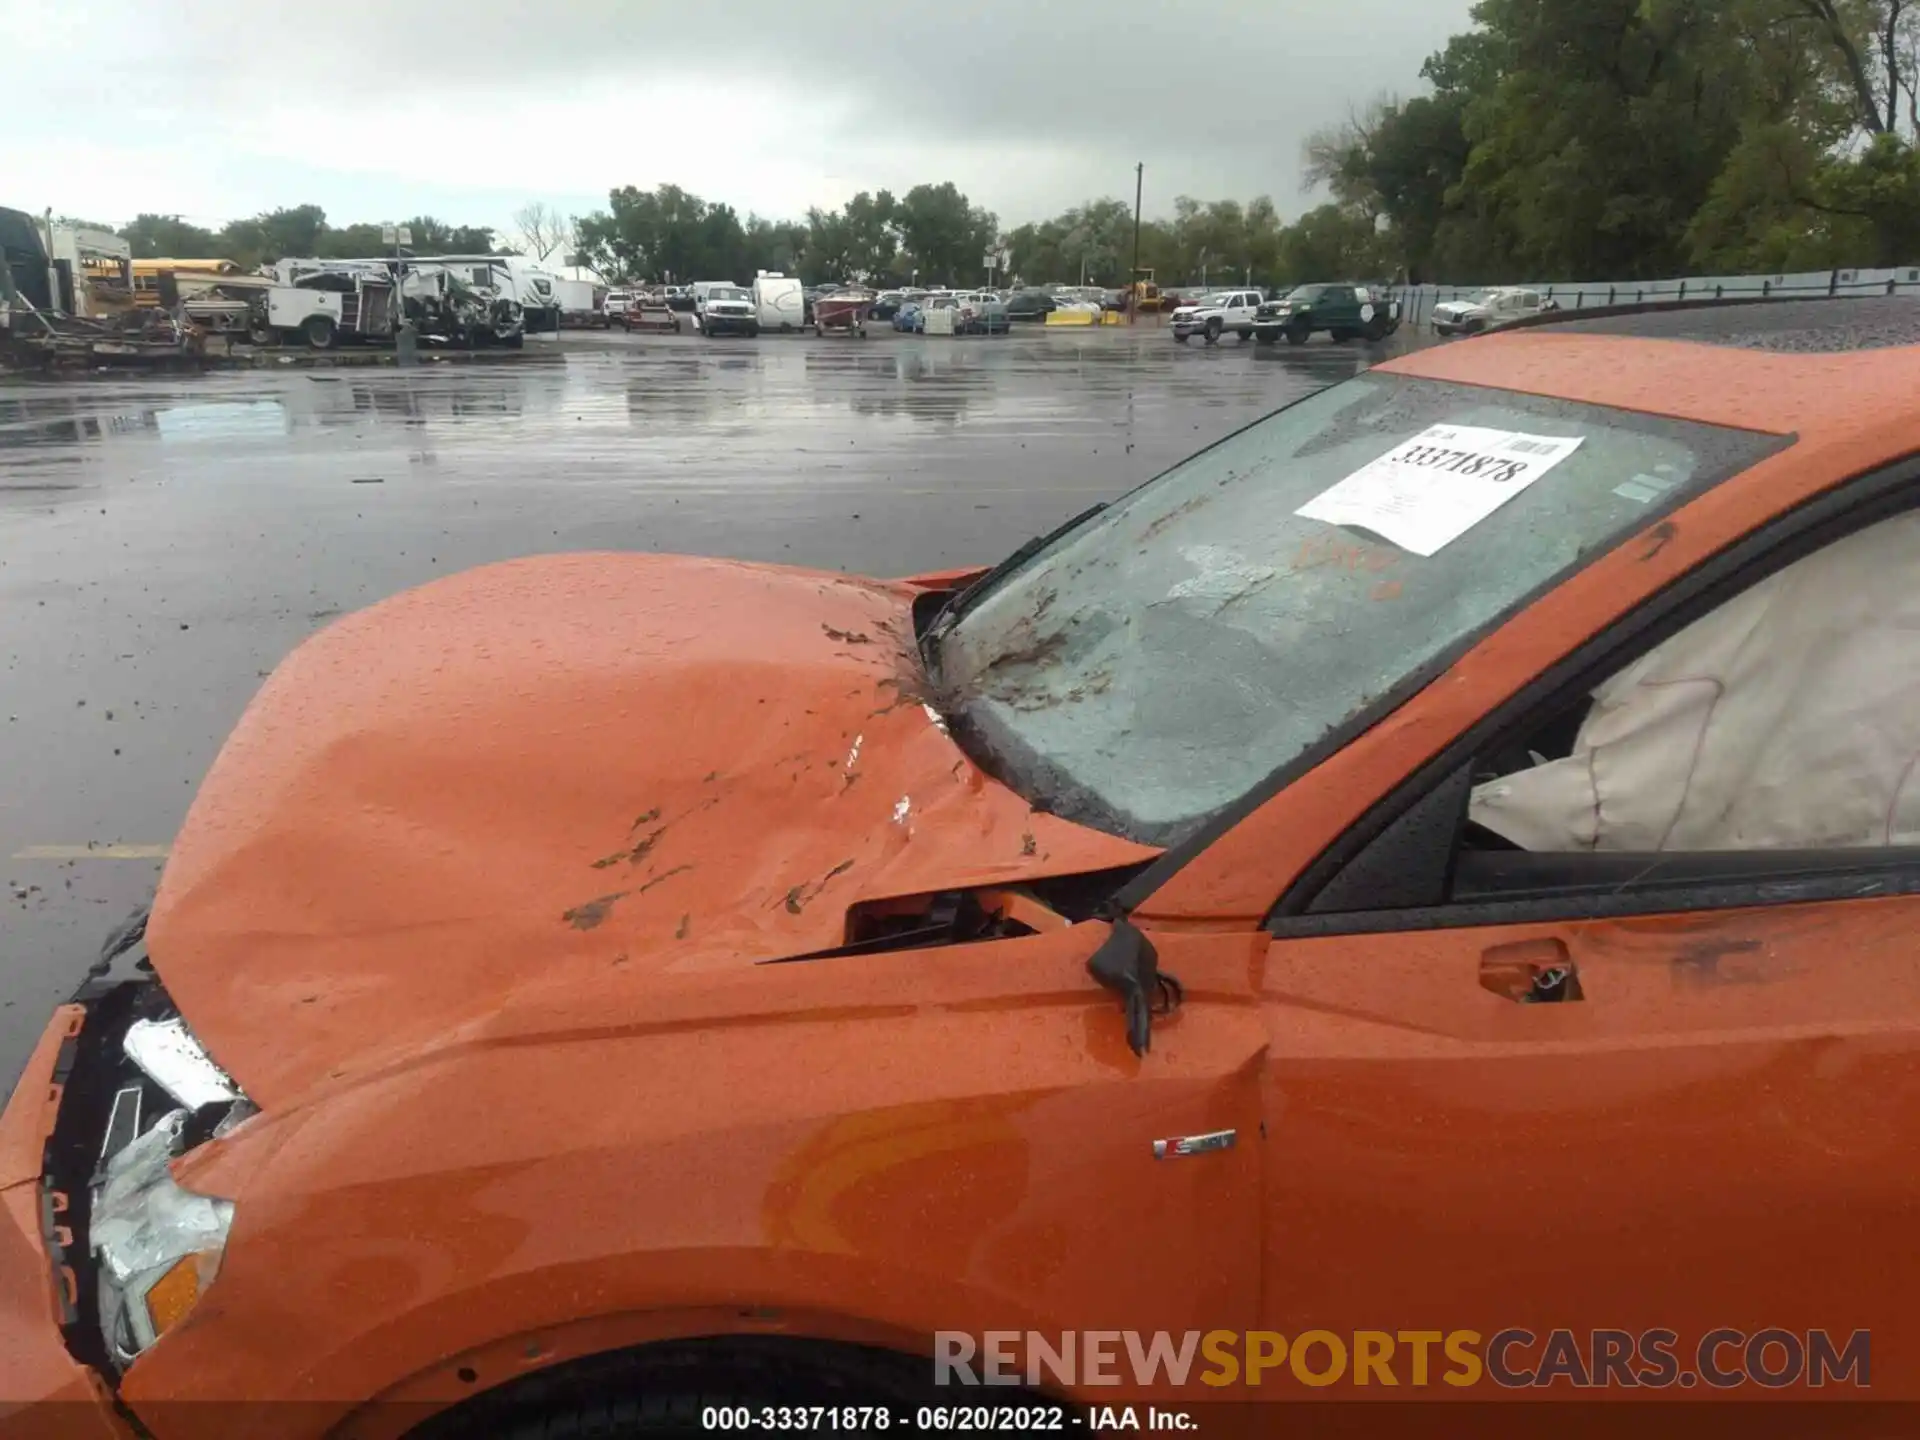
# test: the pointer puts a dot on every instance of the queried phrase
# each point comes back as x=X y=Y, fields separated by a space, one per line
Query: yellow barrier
x=1072 y=317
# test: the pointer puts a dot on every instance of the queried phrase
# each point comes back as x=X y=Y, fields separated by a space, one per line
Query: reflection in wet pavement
x=164 y=543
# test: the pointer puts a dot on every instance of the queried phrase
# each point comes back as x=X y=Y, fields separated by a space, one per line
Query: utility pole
x=1133 y=280
x=405 y=341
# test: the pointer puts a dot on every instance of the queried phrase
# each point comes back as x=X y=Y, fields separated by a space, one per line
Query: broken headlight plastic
x=157 y=1245
x=168 y=1055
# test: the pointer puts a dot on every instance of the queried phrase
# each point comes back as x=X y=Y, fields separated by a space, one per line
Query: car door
x=1672 y=1150
x=1518 y=1091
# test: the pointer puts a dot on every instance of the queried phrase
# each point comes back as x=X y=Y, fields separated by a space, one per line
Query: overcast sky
x=377 y=109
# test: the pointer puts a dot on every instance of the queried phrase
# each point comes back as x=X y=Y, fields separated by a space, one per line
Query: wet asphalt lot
x=165 y=541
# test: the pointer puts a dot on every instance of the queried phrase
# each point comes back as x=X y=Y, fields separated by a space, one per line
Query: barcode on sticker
x=1532 y=447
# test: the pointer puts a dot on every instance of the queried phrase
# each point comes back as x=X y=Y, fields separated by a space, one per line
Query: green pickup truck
x=1348 y=310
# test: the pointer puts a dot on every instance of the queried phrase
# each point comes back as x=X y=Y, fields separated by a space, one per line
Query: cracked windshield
x=1160 y=661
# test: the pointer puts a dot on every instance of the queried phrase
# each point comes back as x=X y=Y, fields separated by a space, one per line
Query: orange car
x=597 y=987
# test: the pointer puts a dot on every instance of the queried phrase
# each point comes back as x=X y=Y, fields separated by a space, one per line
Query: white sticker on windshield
x=1440 y=484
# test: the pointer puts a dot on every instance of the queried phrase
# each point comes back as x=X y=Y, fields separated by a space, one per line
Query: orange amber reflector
x=171 y=1296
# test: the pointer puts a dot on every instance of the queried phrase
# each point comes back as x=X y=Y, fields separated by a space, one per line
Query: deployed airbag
x=1788 y=718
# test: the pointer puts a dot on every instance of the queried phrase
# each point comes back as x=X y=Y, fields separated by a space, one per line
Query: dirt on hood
x=588 y=772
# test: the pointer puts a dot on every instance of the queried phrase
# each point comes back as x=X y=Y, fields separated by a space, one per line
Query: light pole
x=1133 y=280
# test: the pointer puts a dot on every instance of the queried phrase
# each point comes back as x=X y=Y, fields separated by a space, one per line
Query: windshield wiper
x=963 y=600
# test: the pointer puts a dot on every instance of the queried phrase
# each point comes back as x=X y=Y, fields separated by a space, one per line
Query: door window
x=1767 y=752
x=1789 y=718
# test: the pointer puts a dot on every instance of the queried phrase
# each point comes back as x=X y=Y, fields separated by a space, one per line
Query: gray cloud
x=1028 y=106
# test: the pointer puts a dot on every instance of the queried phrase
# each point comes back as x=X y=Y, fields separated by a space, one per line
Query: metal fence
x=1417 y=301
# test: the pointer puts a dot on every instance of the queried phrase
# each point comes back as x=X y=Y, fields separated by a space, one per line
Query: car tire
x=1213 y=332
x=1178 y=338
x=1266 y=337
x=1377 y=330
x=1340 y=337
x=1298 y=334
x=753 y=331
x=319 y=331
x=1245 y=335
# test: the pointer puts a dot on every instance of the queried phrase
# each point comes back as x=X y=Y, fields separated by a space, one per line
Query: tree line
x=295 y=230
x=935 y=234
x=1577 y=139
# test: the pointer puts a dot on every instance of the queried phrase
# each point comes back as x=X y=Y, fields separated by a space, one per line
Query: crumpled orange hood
x=613 y=767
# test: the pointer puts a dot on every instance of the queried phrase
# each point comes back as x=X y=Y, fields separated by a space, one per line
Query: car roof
x=1829 y=370
x=1823 y=326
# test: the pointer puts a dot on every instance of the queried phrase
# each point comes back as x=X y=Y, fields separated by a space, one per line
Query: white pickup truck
x=1213 y=314
x=1488 y=309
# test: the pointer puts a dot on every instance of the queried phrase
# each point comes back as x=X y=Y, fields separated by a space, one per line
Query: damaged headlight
x=157 y=1246
x=170 y=1057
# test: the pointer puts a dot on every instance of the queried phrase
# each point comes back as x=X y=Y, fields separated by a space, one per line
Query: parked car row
x=1344 y=310
x=975 y=312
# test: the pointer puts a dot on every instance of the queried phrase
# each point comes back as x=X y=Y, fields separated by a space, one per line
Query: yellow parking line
x=92 y=852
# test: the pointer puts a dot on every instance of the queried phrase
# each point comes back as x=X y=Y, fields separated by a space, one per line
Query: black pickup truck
x=1348 y=310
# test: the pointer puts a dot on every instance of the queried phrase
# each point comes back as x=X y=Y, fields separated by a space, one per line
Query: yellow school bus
x=146 y=275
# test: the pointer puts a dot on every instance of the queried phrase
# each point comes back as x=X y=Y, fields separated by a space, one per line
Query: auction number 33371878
x=958 y=1418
